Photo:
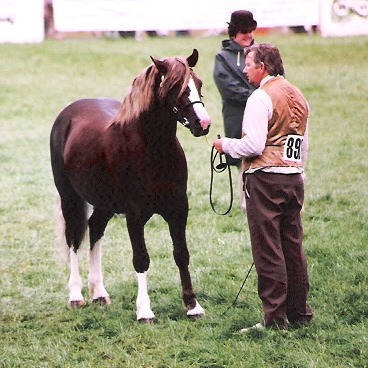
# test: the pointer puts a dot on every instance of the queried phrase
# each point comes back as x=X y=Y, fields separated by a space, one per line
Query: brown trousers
x=274 y=202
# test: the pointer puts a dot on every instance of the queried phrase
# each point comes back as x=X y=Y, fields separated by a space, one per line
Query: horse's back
x=90 y=114
x=89 y=106
x=98 y=110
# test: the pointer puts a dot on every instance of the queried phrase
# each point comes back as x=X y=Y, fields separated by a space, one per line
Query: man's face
x=255 y=73
x=244 y=39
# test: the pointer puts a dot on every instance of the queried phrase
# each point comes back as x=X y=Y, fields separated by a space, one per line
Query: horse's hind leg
x=74 y=210
x=97 y=224
x=75 y=283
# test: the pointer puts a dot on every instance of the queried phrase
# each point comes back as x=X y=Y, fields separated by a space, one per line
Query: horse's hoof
x=145 y=320
x=195 y=316
x=102 y=300
x=75 y=304
x=196 y=312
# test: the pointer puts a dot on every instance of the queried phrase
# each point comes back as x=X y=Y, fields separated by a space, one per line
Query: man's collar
x=266 y=79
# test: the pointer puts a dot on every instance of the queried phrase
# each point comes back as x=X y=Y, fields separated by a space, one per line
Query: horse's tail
x=60 y=227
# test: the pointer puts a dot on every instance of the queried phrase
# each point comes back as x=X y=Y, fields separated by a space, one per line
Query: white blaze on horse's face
x=199 y=109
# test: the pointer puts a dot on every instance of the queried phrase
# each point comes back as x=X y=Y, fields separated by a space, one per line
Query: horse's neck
x=160 y=128
x=160 y=119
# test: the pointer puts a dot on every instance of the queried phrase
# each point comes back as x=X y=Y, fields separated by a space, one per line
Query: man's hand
x=218 y=145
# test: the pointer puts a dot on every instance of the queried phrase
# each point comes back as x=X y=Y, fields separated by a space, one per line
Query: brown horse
x=125 y=158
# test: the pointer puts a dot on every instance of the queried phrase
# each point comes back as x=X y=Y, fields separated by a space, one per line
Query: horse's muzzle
x=198 y=130
x=203 y=122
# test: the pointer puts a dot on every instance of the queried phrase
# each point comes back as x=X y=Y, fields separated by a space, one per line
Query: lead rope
x=219 y=168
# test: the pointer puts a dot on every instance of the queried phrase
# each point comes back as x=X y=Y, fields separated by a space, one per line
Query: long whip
x=237 y=296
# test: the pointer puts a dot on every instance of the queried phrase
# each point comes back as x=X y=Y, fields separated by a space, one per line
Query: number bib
x=293 y=148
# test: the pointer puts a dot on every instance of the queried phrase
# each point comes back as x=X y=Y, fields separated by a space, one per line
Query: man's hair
x=268 y=55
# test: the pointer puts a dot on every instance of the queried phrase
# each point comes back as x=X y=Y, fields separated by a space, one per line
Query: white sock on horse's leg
x=75 y=282
x=95 y=277
x=144 y=311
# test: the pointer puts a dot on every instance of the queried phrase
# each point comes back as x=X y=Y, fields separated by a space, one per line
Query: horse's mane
x=140 y=95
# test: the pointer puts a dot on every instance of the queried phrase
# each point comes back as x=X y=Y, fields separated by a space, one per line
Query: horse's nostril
x=205 y=123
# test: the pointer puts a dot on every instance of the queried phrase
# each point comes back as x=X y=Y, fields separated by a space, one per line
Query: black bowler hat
x=243 y=21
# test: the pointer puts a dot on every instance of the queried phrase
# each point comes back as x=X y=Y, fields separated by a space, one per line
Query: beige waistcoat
x=289 y=117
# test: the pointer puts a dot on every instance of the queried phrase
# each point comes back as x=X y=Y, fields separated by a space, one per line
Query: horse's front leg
x=95 y=278
x=181 y=256
x=75 y=283
x=141 y=263
x=144 y=312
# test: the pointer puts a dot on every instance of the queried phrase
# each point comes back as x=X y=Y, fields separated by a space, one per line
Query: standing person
x=49 y=24
x=274 y=152
x=231 y=82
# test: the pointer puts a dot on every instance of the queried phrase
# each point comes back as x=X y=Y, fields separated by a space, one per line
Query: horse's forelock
x=141 y=92
x=178 y=70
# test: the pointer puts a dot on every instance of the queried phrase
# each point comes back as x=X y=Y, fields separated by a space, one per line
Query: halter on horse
x=125 y=158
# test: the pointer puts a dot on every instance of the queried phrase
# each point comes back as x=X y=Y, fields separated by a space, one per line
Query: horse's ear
x=192 y=59
x=160 y=65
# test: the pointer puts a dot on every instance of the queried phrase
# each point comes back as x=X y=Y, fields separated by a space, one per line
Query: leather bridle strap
x=182 y=119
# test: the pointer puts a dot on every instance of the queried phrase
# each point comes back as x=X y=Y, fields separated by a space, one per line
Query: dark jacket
x=233 y=86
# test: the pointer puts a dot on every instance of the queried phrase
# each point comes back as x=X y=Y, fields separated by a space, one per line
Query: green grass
x=37 y=329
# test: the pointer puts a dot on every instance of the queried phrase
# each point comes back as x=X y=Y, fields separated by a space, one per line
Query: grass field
x=37 y=329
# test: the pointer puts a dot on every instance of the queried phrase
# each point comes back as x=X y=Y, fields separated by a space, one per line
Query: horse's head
x=181 y=88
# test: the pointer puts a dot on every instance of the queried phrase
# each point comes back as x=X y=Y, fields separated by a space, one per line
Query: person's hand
x=218 y=145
